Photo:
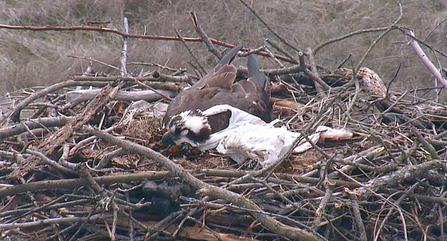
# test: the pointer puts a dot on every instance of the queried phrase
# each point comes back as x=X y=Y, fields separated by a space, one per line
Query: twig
x=216 y=235
x=407 y=173
x=358 y=217
x=94 y=60
x=189 y=50
x=277 y=47
x=166 y=221
x=88 y=140
x=98 y=29
x=155 y=76
x=85 y=174
x=177 y=71
x=204 y=36
x=344 y=61
x=425 y=143
x=357 y=32
x=396 y=205
x=58 y=137
x=51 y=162
x=232 y=206
x=314 y=74
x=434 y=28
x=108 y=30
x=273 y=56
x=371 y=46
x=63 y=160
x=47 y=221
x=108 y=157
x=155 y=90
x=356 y=93
x=276 y=193
x=268 y=27
x=81 y=226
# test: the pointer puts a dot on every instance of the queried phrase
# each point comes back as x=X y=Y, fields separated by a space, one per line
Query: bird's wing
x=223 y=78
x=222 y=66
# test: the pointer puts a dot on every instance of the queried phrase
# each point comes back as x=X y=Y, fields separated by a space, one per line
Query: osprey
x=184 y=119
x=249 y=137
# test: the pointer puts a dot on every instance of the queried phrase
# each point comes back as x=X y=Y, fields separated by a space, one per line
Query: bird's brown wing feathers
x=224 y=65
x=249 y=87
x=218 y=87
x=223 y=79
x=237 y=89
x=190 y=100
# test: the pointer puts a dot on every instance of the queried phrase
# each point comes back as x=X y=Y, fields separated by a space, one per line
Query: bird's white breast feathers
x=248 y=137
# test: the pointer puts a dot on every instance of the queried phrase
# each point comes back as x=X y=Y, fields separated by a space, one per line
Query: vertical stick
x=124 y=52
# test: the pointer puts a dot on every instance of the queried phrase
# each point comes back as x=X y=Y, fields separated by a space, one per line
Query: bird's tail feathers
x=256 y=76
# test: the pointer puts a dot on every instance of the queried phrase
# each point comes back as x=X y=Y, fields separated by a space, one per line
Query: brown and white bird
x=184 y=119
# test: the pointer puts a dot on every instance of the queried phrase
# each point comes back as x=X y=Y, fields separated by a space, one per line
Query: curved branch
x=361 y=31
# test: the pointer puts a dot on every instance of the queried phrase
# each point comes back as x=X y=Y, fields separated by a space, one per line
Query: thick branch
x=77 y=96
x=75 y=183
x=32 y=124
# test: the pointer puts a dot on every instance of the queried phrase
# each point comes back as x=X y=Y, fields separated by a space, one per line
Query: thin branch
x=268 y=27
x=209 y=44
x=357 y=32
x=50 y=162
x=389 y=28
x=189 y=50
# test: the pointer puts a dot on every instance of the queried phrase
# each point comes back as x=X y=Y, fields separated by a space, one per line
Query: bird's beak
x=168 y=138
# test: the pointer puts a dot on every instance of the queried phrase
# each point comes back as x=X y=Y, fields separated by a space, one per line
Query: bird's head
x=190 y=126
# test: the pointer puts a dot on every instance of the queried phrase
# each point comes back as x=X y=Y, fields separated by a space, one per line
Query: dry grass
x=38 y=58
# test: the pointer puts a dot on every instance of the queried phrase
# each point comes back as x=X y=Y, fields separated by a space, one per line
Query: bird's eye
x=184 y=132
x=177 y=130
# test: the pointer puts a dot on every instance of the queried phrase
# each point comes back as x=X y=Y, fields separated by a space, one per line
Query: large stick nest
x=60 y=180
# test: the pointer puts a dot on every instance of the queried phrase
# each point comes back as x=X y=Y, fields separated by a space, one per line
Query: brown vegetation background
x=38 y=58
